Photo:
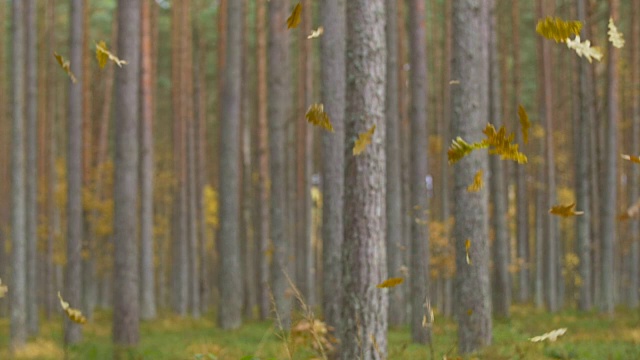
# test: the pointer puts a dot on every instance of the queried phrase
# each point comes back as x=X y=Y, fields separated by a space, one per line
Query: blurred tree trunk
x=470 y=111
x=18 y=284
x=397 y=302
x=610 y=186
x=446 y=139
x=73 y=277
x=126 y=311
x=31 y=166
x=364 y=310
x=5 y=140
x=333 y=44
x=634 y=232
x=147 y=268
x=419 y=249
x=502 y=283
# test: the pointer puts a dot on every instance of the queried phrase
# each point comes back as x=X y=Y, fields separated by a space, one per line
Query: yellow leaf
x=470 y=312
x=460 y=148
x=3 y=289
x=73 y=314
x=615 y=36
x=565 y=210
x=65 y=65
x=296 y=16
x=558 y=29
x=525 y=124
x=632 y=211
x=477 y=183
x=316 y=33
x=501 y=144
x=103 y=54
x=635 y=159
x=316 y=116
x=467 y=246
x=584 y=49
x=363 y=140
x=391 y=282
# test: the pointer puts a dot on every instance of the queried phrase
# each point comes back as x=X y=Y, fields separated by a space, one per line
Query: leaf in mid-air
x=558 y=29
x=363 y=140
x=615 y=36
x=391 y=282
x=3 y=289
x=316 y=116
x=65 y=65
x=525 y=124
x=296 y=16
x=501 y=144
x=585 y=49
x=428 y=318
x=477 y=183
x=316 y=33
x=467 y=246
x=565 y=210
x=460 y=148
x=632 y=211
x=73 y=314
x=103 y=54
x=635 y=159
x=551 y=335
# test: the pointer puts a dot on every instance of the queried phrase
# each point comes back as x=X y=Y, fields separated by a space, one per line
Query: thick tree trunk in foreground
x=364 y=262
x=126 y=311
x=470 y=111
x=634 y=279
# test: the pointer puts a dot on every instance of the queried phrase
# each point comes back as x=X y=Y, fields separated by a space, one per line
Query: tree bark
x=126 y=310
x=5 y=135
x=470 y=111
x=634 y=231
x=364 y=311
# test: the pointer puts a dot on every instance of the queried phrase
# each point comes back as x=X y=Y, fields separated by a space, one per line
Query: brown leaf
x=296 y=16
x=565 y=210
x=364 y=139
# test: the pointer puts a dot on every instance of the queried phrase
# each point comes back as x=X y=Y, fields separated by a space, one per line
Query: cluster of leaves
x=74 y=314
x=316 y=116
x=103 y=55
x=558 y=29
x=497 y=141
x=585 y=49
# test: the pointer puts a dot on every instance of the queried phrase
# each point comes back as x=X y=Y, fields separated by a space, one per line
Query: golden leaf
x=470 y=312
x=316 y=116
x=3 y=289
x=65 y=65
x=502 y=145
x=558 y=29
x=565 y=210
x=551 y=336
x=584 y=49
x=296 y=16
x=635 y=159
x=73 y=314
x=615 y=36
x=632 y=211
x=316 y=33
x=460 y=148
x=391 y=282
x=103 y=54
x=363 y=140
x=467 y=246
x=525 y=124
x=477 y=183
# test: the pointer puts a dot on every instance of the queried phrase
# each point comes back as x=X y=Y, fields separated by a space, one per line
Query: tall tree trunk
x=634 y=231
x=73 y=278
x=610 y=186
x=502 y=290
x=470 y=111
x=230 y=312
x=31 y=170
x=364 y=308
x=4 y=159
x=279 y=97
x=126 y=311
x=192 y=218
x=397 y=302
x=419 y=258
x=18 y=285
x=147 y=269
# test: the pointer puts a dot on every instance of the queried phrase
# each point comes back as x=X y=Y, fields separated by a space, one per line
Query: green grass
x=589 y=336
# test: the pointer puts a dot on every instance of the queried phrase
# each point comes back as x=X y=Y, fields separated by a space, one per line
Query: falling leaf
x=501 y=144
x=296 y=16
x=363 y=140
x=477 y=183
x=470 y=312
x=615 y=36
x=3 y=289
x=316 y=33
x=103 y=54
x=585 y=49
x=635 y=159
x=65 y=65
x=565 y=210
x=391 y=282
x=632 y=211
x=525 y=124
x=459 y=149
x=428 y=318
x=316 y=116
x=551 y=336
x=73 y=314
x=454 y=82
x=558 y=29
x=467 y=246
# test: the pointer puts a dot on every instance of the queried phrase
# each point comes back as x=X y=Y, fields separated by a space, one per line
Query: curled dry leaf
x=316 y=33
x=615 y=36
x=103 y=54
x=565 y=210
x=363 y=140
x=551 y=335
x=296 y=16
x=73 y=314
x=477 y=183
x=391 y=282
x=316 y=116
x=66 y=66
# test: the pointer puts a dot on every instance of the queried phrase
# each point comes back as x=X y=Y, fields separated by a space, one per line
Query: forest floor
x=588 y=336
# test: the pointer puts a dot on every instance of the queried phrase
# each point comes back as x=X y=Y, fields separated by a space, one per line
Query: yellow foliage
x=65 y=65
x=635 y=159
x=501 y=144
x=558 y=29
x=389 y=283
x=442 y=252
x=565 y=210
x=525 y=124
x=459 y=149
x=316 y=116
x=477 y=183
x=103 y=55
x=210 y=207
x=73 y=314
x=296 y=16
x=364 y=139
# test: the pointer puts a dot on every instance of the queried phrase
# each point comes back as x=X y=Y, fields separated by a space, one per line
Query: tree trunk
x=364 y=307
x=5 y=135
x=126 y=311
x=397 y=302
x=147 y=269
x=470 y=111
x=634 y=231
x=18 y=294
x=446 y=139
x=502 y=290
x=610 y=186
x=419 y=258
